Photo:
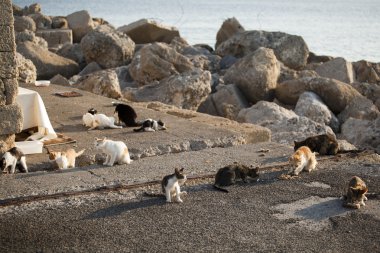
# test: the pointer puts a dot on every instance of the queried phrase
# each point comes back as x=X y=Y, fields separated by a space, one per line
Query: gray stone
x=11 y=119
x=359 y=108
x=42 y=21
x=291 y=74
x=56 y=37
x=7 y=40
x=8 y=65
x=90 y=68
x=370 y=91
x=256 y=75
x=107 y=47
x=73 y=52
x=61 y=80
x=313 y=58
x=230 y=27
x=367 y=71
x=30 y=36
x=289 y=49
x=338 y=69
x=81 y=23
x=59 y=23
x=24 y=23
x=27 y=72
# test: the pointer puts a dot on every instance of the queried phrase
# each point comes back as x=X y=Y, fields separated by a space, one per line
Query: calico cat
x=13 y=158
x=64 y=159
x=171 y=185
x=324 y=144
x=227 y=175
x=99 y=121
x=150 y=125
x=116 y=151
x=126 y=114
x=355 y=193
x=302 y=159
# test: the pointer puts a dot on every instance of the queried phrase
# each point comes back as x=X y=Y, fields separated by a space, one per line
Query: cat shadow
x=117 y=210
x=323 y=210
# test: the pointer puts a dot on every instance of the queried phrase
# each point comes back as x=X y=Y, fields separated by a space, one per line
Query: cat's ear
x=104 y=138
x=47 y=151
x=181 y=170
x=176 y=171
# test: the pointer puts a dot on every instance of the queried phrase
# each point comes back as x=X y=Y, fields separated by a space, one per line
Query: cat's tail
x=79 y=153
x=220 y=188
x=138 y=129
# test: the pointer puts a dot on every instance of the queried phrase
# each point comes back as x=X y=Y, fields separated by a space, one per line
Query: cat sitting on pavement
x=116 y=151
x=13 y=158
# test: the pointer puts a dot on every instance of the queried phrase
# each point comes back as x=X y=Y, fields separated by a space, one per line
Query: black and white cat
x=151 y=125
x=127 y=115
x=12 y=158
x=171 y=185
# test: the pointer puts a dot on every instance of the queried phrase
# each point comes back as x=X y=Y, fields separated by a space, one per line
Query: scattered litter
x=286 y=177
x=42 y=83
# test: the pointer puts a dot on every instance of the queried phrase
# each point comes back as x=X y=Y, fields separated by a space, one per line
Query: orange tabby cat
x=302 y=159
x=356 y=193
x=64 y=159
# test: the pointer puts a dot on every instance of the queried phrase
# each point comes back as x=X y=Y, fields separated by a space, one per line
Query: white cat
x=100 y=121
x=116 y=151
x=64 y=159
x=151 y=125
x=12 y=158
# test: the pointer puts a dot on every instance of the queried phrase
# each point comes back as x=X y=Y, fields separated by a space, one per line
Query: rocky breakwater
x=261 y=77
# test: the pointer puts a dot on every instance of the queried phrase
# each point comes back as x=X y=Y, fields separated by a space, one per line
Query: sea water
x=345 y=28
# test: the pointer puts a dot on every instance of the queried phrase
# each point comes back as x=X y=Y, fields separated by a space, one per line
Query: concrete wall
x=10 y=113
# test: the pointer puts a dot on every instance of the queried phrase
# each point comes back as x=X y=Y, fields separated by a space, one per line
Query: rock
x=30 y=36
x=227 y=61
x=370 y=91
x=47 y=63
x=90 y=68
x=228 y=101
x=24 y=23
x=229 y=28
x=105 y=83
x=107 y=47
x=289 y=49
x=345 y=146
x=367 y=72
x=56 y=37
x=338 y=69
x=157 y=61
x=148 y=31
x=255 y=74
x=362 y=133
x=335 y=94
x=313 y=58
x=32 y=9
x=286 y=126
x=310 y=105
x=27 y=72
x=61 y=80
x=73 y=52
x=186 y=90
x=81 y=23
x=42 y=21
x=59 y=23
x=290 y=74
x=11 y=119
x=359 y=108
x=17 y=10
x=208 y=107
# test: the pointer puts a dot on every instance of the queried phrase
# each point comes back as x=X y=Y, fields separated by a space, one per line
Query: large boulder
x=370 y=91
x=59 y=22
x=24 y=23
x=229 y=28
x=255 y=74
x=42 y=21
x=27 y=72
x=148 y=31
x=27 y=35
x=367 y=71
x=73 y=52
x=311 y=105
x=291 y=74
x=158 y=61
x=103 y=82
x=335 y=94
x=362 y=133
x=185 y=90
x=81 y=23
x=48 y=64
x=107 y=47
x=338 y=69
x=359 y=108
x=289 y=49
x=286 y=126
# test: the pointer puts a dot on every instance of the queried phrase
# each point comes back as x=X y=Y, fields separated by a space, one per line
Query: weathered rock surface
x=90 y=68
x=56 y=37
x=359 y=108
x=367 y=71
x=24 y=23
x=59 y=23
x=229 y=28
x=47 y=63
x=30 y=36
x=107 y=47
x=81 y=23
x=286 y=126
x=370 y=91
x=335 y=94
x=61 y=80
x=289 y=49
x=338 y=69
x=313 y=58
x=362 y=133
x=157 y=61
x=42 y=21
x=256 y=75
x=186 y=90
x=310 y=105
x=148 y=31
x=291 y=74
x=27 y=72
x=73 y=52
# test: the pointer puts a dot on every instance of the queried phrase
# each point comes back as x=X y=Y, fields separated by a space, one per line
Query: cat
x=150 y=125
x=356 y=191
x=99 y=121
x=324 y=144
x=126 y=114
x=92 y=111
x=116 y=151
x=171 y=185
x=227 y=175
x=302 y=159
x=64 y=159
x=13 y=158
